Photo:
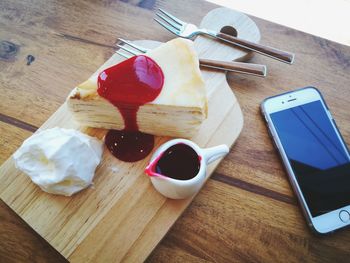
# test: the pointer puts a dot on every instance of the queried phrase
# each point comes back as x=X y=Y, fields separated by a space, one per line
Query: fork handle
x=239 y=67
x=280 y=55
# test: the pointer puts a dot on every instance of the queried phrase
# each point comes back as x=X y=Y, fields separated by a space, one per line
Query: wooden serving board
x=122 y=217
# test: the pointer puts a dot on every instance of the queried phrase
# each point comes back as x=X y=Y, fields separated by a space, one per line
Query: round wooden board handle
x=215 y=20
x=281 y=55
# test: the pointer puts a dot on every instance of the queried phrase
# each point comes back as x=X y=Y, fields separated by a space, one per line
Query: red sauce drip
x=179 y=161
x=129 y=85
x=129 y=146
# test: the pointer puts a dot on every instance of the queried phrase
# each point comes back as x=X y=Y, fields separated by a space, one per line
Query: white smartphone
x=315 y=155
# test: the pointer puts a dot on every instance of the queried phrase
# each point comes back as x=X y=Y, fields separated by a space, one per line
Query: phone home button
x=344 y=216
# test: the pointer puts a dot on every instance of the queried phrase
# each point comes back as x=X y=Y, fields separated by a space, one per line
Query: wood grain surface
x=246 y=212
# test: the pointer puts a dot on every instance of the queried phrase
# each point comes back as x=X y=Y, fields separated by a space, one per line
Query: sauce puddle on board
x=129 y=85
x=179 y=162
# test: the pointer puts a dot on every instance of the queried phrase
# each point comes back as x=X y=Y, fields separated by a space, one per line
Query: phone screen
x=319 y=159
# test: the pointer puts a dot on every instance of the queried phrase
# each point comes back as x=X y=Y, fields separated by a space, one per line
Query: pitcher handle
x=213 y=153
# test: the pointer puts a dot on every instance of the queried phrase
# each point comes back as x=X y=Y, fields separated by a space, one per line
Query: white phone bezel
x=327 y=222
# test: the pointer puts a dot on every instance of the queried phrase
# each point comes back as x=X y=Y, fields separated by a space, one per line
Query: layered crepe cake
x=162 y=90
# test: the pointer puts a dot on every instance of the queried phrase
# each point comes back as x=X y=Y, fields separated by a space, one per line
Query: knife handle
x=271 y=52
x=239 y=67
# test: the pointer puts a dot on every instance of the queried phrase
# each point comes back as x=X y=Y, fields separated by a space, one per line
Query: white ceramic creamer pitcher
x=182 y=188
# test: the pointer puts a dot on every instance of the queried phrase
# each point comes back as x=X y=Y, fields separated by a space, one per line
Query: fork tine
x=123 y=54
x=171 y=29
x=127 y=42
x=131 y=51
x=168 y=21
x=181 y=23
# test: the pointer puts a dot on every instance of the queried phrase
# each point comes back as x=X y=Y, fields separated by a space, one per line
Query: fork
x=238 y=67
x=186 y=30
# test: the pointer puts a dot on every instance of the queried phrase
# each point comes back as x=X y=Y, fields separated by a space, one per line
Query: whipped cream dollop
x=60 y=161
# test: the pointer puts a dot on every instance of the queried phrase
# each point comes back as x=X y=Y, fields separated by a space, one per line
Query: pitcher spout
x=151 y=169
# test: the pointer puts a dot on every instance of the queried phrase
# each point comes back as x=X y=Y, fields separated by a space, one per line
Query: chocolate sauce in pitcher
x=179 y=162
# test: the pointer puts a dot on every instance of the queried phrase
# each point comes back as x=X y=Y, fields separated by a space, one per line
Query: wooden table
x=246 y=211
